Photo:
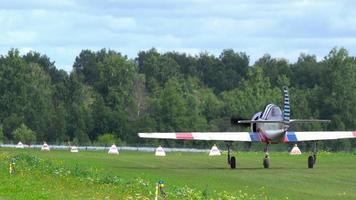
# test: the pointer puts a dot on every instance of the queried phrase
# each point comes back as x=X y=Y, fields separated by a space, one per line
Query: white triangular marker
x=113 y=150
x=45 y=147
x=19 y=145
x=214 y=151
x=74 y=149
x=295 y=150
x=160 y=151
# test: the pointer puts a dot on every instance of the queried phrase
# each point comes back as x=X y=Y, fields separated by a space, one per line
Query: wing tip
x=141 y=135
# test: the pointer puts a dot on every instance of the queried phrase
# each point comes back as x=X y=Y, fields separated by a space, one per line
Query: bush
x=107 y=139
x=24 y=134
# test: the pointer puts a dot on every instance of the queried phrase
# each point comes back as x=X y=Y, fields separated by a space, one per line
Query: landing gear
x=312 y=158
x=310 y=162
x=266 y=158
x=231 y=160
x=266 y=163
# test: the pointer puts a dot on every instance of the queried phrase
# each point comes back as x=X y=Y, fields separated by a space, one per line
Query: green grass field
x=334 y=176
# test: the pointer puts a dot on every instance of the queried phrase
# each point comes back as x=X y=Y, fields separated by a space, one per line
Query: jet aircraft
x=269 y=126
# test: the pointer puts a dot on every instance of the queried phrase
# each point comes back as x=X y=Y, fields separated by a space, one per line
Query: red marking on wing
x=354 y=133
x=184 y=136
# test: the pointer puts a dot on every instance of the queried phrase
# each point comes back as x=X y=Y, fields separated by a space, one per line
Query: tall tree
x=274 y=68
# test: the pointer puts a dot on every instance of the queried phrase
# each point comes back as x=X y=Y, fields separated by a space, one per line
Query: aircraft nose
x=275 y=132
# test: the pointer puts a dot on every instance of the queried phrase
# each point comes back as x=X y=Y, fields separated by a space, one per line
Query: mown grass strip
x=37 y=178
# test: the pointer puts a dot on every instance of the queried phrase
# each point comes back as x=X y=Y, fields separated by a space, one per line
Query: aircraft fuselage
x=269 y=132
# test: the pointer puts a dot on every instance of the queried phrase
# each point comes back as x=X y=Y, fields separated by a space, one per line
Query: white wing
x=223 y=136
x=318 y=135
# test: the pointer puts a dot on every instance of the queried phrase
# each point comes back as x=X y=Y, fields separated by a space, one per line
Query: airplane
x=270 y=126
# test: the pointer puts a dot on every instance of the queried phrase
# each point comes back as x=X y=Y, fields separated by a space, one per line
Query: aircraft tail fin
x=286 y=109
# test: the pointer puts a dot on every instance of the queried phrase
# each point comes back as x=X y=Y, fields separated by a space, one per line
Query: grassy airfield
x=97 y=175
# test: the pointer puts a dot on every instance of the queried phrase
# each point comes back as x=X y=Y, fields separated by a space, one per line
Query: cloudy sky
x=62 y=28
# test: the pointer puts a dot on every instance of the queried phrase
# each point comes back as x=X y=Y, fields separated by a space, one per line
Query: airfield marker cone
x=74 y=149
x=214 y=151
x=160 y=151
x=45 y=147
x=295 y=150
x=19 y=145
x=113 y=150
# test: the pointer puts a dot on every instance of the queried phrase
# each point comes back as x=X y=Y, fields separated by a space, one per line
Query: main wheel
x=311 y=162
x=233 y=162
x=266 y=163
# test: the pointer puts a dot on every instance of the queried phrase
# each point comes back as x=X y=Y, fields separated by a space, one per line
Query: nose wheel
x=266 y=158
x=266 y=163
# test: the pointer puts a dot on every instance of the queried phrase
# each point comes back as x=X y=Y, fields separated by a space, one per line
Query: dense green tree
x=38 y=108
x=107 y=139
x=140 y=97
x=338 y=90
x=235 y=68
x=170 y=108
x=24 y=134
x=116 y=78
x=306 y=72
x=274 y=68
x=225 y=72
x=108 y=93
x=188 y=64
x=79 y=115
x=47 y=65
x=252 y=95
x=157 y=68
x=26 y=93
x=211 y=105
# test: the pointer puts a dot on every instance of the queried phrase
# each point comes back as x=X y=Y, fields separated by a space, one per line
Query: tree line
x=108 y=95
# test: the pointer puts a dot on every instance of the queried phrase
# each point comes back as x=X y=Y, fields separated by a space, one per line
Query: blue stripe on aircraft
x=292 y=137
x=255 y=137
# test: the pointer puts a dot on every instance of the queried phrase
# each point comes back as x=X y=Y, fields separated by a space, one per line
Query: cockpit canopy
x=272 y=112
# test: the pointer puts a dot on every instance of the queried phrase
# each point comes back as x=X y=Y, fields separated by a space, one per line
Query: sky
x=61 y=29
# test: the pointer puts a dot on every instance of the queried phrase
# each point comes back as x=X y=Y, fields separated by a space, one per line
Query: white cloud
x=120 y=23
x=61 y=29
x=18 y=38
x=25 y=50
x=37 y=4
